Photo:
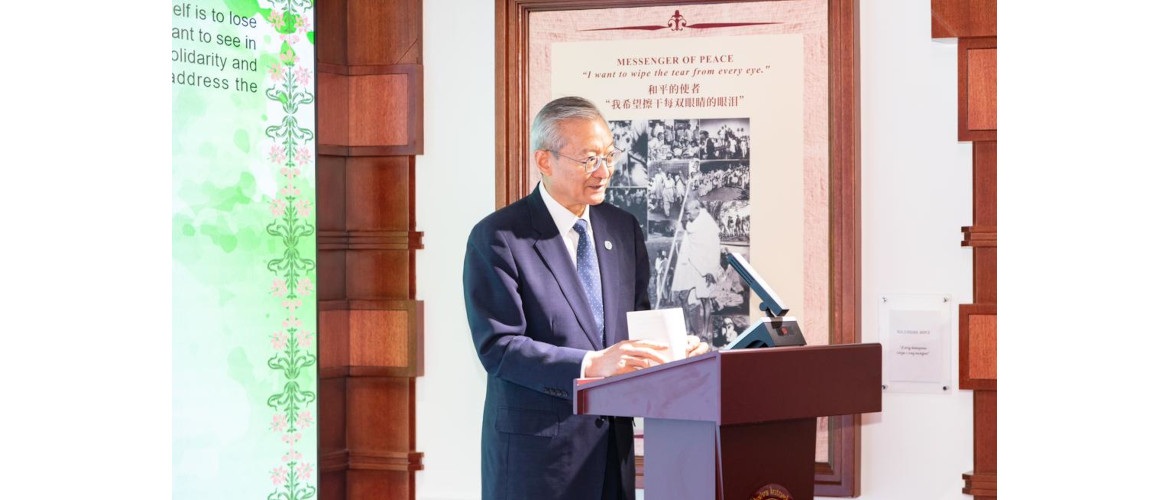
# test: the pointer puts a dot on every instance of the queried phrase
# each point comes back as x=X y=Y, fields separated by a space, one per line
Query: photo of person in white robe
x=698 y=266
x=696 y=192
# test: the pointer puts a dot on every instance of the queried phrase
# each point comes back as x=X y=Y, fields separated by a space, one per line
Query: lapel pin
x=608 y=245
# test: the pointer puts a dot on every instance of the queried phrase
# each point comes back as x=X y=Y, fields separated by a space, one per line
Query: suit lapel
x=609 y=266
x=551 y=248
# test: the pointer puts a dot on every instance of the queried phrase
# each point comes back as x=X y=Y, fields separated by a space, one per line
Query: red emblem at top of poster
x=677 y=23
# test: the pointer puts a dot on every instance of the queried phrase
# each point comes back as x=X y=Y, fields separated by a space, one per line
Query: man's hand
x=696 y=347
x=624 y=357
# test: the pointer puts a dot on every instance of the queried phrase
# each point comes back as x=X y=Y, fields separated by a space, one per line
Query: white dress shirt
x=564 y=220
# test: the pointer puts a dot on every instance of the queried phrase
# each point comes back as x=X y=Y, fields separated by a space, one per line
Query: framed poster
x=747 y=108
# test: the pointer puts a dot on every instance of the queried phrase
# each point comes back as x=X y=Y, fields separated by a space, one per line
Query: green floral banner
x=243 y=250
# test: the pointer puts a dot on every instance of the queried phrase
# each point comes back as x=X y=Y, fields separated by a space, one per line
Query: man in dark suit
x=547 y=283
x=706 y=146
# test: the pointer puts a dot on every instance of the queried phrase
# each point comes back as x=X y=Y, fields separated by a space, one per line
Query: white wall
x=455 y=186
x=916 y=194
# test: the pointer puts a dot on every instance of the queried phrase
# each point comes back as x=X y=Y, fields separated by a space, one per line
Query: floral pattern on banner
x=293 y=340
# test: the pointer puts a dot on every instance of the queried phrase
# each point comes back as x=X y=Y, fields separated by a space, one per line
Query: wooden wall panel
x=984 y=216
x=974 y=22
x=370 y=330
x=332 y=108
x=333 y=334
x=392 y=333
x=379 y=484
x=981 y=83
x=330 y=28
x=331 y=188
x=330 y=271
x=977 y=347
x=331 y=484
x=962 y=18
x=375 y=421
x=979 y=236
x=379 y=189
x=370 y=110
x=985 y=98
x=378 y=105
x=331 y=410
x=984 y=269
x=982 y=481
x=385 y=32
x=379 y=338
x=984 y=182
x=986 y=442
x=981 y=350
x=378 y=274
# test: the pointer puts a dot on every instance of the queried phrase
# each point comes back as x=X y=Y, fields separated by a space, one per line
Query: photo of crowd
x=668 y=186
x=689 y=184
x=632 y=200
x=698 y=139
x=733 y=218
x=723 y=180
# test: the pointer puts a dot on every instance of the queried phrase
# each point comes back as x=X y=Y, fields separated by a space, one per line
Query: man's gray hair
x=546 y=133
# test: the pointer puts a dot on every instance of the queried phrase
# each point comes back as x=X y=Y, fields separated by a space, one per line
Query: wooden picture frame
x=840 y=475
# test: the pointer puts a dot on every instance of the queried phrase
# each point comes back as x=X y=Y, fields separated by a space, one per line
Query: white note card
x=667 y=326
x=915 y=334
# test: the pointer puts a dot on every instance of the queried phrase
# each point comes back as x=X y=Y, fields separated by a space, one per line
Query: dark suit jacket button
x=599 y=421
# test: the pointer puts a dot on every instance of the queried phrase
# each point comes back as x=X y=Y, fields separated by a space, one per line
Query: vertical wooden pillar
x=369 y=74
x=974 y=23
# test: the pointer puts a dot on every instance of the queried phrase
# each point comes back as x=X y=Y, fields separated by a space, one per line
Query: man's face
x=692 y=211
x=565 y=178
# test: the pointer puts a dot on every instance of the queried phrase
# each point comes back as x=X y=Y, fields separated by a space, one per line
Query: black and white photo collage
x=688 y=182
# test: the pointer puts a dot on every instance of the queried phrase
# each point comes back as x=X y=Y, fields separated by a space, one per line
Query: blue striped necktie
x=589 y=275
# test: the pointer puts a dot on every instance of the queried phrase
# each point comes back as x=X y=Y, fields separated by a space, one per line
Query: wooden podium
x=738 y=425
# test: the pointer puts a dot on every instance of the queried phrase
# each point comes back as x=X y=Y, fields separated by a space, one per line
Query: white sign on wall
x=916 y=343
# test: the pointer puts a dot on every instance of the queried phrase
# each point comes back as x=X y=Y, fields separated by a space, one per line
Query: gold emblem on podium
x=772 y=492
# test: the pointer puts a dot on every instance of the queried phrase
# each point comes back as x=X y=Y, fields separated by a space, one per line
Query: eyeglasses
x=592 y=163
